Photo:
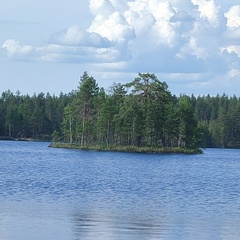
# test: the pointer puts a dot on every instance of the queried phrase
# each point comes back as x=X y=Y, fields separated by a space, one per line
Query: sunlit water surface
x=48 y=194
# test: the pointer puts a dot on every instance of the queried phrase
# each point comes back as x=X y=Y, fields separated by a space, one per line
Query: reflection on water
x=83 y=195
x=106 y=227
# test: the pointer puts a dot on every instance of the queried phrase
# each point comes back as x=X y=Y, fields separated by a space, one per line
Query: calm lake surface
x=49 y=194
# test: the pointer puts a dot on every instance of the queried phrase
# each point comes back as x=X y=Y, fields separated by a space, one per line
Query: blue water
x=48 y=194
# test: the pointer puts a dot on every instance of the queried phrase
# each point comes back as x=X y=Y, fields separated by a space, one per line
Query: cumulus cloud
x=193 y=48
x=57 y=53
x=14 y=48
x=194 y=37
x=60 y=53
x=233 y=17
x=74 y=36
x=232 y=49
x=114 y=27
x=209 y=10
x=102 y=7
x=231 y=37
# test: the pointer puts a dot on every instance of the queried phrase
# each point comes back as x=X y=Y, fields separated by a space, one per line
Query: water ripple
x=109 y=195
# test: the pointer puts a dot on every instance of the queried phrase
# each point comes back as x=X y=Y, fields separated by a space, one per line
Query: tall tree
x=84 y=106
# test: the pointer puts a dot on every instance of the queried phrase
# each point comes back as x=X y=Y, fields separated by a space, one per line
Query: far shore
x=15 y=139
x=23 y=139
x=128 y=148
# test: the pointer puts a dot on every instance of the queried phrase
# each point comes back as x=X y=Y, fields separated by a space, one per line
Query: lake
x=49 y=194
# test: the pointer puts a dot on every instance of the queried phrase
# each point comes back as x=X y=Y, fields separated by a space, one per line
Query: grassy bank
x=128 y=148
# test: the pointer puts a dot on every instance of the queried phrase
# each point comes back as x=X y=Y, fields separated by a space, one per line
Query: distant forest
x=142 y=112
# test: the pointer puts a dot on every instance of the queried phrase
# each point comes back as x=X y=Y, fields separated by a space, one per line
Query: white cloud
x=233 y=17
x=101 y=7
x=232 y=49
x=57 y=53
x=162 y=11
x=209 y=10
x=193 y=48
x=114 y=27
x=14 y=48
x=142 y=23
x=60 y=53
x=153 y=17
x=74 y=36
x=231 y=37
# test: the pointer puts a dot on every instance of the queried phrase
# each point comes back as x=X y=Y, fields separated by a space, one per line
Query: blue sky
x=193 y=45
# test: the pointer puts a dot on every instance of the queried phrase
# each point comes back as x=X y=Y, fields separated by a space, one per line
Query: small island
x=139 y=116
x=134 y=149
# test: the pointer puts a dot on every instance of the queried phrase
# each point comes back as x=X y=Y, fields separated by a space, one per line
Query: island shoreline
x=133 y=149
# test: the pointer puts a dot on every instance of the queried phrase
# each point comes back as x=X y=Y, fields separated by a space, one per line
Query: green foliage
x=129 y=148
x=146 y=115
x=81 y=114
x=35 y=117
x=188 y=131
x=141 y=114
x=219 y=120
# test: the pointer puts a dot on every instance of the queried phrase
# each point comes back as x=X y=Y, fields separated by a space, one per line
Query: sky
x=192 y=45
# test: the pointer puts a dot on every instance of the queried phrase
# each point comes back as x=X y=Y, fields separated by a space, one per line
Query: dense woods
x=35 y=117
x=141 y=113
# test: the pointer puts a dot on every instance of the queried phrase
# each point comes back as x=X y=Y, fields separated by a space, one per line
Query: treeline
x=141 y=113
x=218 y=120
x=34 y=117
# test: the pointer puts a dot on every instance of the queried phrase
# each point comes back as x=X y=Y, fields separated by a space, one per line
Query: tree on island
x=139 y=113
